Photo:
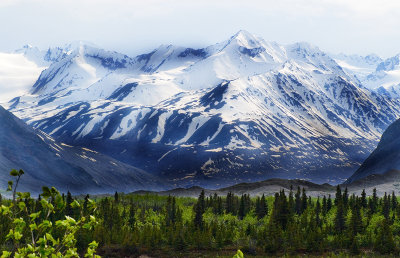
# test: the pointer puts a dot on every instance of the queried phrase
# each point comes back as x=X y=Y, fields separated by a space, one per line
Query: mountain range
x=241 y=110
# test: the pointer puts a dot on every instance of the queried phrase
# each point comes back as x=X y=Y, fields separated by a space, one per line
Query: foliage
x=33 y=229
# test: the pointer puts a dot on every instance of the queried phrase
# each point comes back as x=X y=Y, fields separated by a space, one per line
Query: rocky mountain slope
x=384 y=158
x=47 y=162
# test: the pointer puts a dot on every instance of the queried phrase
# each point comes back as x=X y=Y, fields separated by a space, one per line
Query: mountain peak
x=303 y=46
x=242 y=34
x=245 y=39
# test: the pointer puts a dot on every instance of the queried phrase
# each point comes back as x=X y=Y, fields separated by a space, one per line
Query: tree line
x=289 y=222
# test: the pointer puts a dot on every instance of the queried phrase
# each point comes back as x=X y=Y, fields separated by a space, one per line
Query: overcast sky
x=133 y=27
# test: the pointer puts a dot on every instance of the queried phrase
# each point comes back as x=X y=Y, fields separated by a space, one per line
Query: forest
x=287 y=224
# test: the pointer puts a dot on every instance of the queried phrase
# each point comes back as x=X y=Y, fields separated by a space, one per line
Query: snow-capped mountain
x=381 y=76
x=241 y=110
x=386 y=78
x=48 y=162
x=358 y=66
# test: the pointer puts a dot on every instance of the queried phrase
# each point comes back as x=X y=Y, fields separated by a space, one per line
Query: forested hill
x=386 y=182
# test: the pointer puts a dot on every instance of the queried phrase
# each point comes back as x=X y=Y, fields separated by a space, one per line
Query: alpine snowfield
x=241 y=110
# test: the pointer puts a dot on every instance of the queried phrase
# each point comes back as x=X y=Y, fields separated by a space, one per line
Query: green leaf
x=35 y=215
x=5 y=254
x=75 y=204
x=17 y=235
x=59 y=203
x=46 y=192
x=14 y=172
x=45 y=224
x=5 y=210
x=21 y=172
x=239 y=254
x=33 y=226
x=9 y=187
x=21 y=206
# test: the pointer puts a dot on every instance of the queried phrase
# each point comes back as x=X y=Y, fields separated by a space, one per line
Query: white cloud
x=17 y=74
x=129 y=25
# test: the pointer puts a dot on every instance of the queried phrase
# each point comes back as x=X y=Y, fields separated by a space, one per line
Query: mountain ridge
x=243 y=109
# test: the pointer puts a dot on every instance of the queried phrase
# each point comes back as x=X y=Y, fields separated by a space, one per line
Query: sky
x=134 y=27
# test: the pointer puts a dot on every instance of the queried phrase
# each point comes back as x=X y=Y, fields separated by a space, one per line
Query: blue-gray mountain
x=385 y=158
x=241 y=110
x=50 y=163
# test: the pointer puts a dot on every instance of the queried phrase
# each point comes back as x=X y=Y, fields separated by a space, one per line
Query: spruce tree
x=375 y=198
x=131 y=218
x=384 y=242
x=263 y=206
x=338 y=196
x=242 y=208
x=363 y=199
x=199 y=209
x=324 y=206
x=355 y=225
x=317 y=213
x=339 y=218
x=329 y=203
x=230 y=203
x=116 y=197
x=303 y=200
x=345 y=198
x=291 y=201
x=298 y=201
x=386 y=207
x=68 y=208
x=394 y=202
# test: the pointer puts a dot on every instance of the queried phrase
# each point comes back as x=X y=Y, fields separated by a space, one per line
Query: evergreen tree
x=345 y=198
x=338 y=196
x=291 y=203
x=199 y=210
x=324 y=206
x=264 y=207
x=384 y=242
x=374 y=200
x=280 y=213
x=339 y=218
x=329 y=203
x=242 y=208
x=317 y=213
x=131 y=218
x=386 y=207
x=394 y=202
x=171 y=211
x=355 y=225
x=68 y=208
x=261 y=207
x=298 y=201
x=116 y=197
x=363 y=199
x=85 y=205
x=303 y=200
x=230 y=203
